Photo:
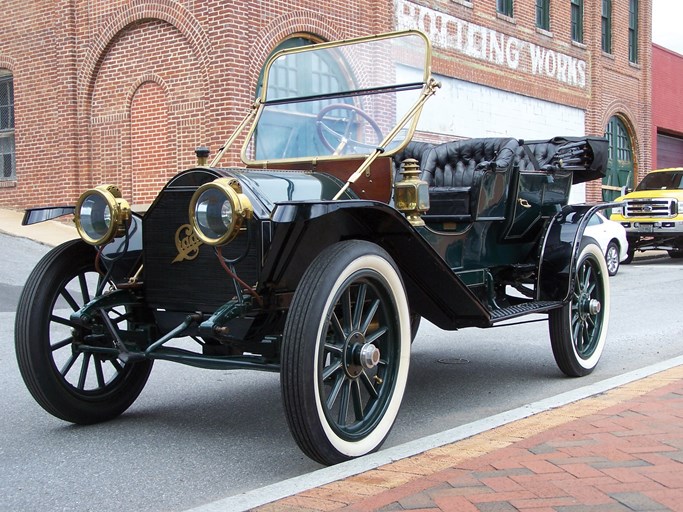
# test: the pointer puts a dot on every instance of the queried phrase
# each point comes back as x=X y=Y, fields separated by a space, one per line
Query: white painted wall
x=465 y=109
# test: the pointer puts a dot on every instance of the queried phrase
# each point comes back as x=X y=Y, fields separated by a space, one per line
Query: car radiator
x=182 y=274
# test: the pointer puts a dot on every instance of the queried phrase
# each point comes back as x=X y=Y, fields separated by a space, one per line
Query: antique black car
x=319 y=256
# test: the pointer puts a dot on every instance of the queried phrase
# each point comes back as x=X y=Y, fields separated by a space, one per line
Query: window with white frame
x=505 y=7
x=606 y=25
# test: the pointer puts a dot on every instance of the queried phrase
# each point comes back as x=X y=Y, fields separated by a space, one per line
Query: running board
x=524 y=309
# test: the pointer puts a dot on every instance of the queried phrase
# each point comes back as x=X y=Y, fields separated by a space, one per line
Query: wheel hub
x=369 y=356
x=588 y=307
x=359 y=355
x=594 y=306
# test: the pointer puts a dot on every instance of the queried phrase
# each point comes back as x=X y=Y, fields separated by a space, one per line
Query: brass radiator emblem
x=186 y=243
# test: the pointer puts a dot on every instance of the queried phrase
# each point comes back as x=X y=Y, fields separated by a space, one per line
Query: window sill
x=635 y=65
x=608 y=55
x=505 y=17
x=8 y=183
x=544 y=32
x=579 y=45
x=464 y=3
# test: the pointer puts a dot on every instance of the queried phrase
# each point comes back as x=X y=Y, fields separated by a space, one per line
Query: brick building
x=667 y=108
x=123 y=90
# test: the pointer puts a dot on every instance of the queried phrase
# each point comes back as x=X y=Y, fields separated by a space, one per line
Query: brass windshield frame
x=410 y=119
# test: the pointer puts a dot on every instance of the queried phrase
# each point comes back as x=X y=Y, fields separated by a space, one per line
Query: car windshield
x=662 y=181
x=339 y=99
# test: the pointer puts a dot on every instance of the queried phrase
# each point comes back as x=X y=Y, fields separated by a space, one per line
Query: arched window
x=294 y=77
x=282 y=77
x=7 y=157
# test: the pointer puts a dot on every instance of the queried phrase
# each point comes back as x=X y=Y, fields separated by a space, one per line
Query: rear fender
x=302 y=230
x=560 y=250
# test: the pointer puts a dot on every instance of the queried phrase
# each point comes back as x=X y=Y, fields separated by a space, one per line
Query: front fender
x=121 y=256
x=301 y=230
x=560 y=250
x=44 y=213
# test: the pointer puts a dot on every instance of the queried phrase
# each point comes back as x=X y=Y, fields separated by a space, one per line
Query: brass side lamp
x=411 y=194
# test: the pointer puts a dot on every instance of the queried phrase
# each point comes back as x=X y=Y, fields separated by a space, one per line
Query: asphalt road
x=195 y=436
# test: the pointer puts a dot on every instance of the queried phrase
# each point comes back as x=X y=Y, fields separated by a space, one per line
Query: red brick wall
x=625 y=88
x=123 y=90
x=151 y=143
x=667 y=94
x=42 y=61
x=88 y=75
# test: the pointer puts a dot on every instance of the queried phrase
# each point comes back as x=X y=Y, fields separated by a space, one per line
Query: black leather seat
x=414 y=149
x=454 y=171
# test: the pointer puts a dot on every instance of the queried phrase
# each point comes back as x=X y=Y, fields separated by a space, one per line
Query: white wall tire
x=578 y=330
x=345 y=352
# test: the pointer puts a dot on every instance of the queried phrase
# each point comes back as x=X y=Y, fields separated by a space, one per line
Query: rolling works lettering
x=482 y=43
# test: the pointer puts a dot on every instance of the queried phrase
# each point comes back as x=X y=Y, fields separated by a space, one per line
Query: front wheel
x=345 y=352
x=579 y=328
x=71 y=384
x=676 y=253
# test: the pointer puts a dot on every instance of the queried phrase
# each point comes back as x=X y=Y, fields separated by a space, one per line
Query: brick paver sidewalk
x=618 y=451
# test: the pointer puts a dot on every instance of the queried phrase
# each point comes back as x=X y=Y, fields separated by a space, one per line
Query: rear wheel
x=677 y=253
x=76 y=386
x=578 y=329
x=345 y=352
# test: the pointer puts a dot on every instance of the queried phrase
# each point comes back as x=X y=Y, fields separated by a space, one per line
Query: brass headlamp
x=101 y=214
x=411 y=194
x=218 y=210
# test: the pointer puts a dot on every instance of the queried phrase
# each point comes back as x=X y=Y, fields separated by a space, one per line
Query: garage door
x=669 y=151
